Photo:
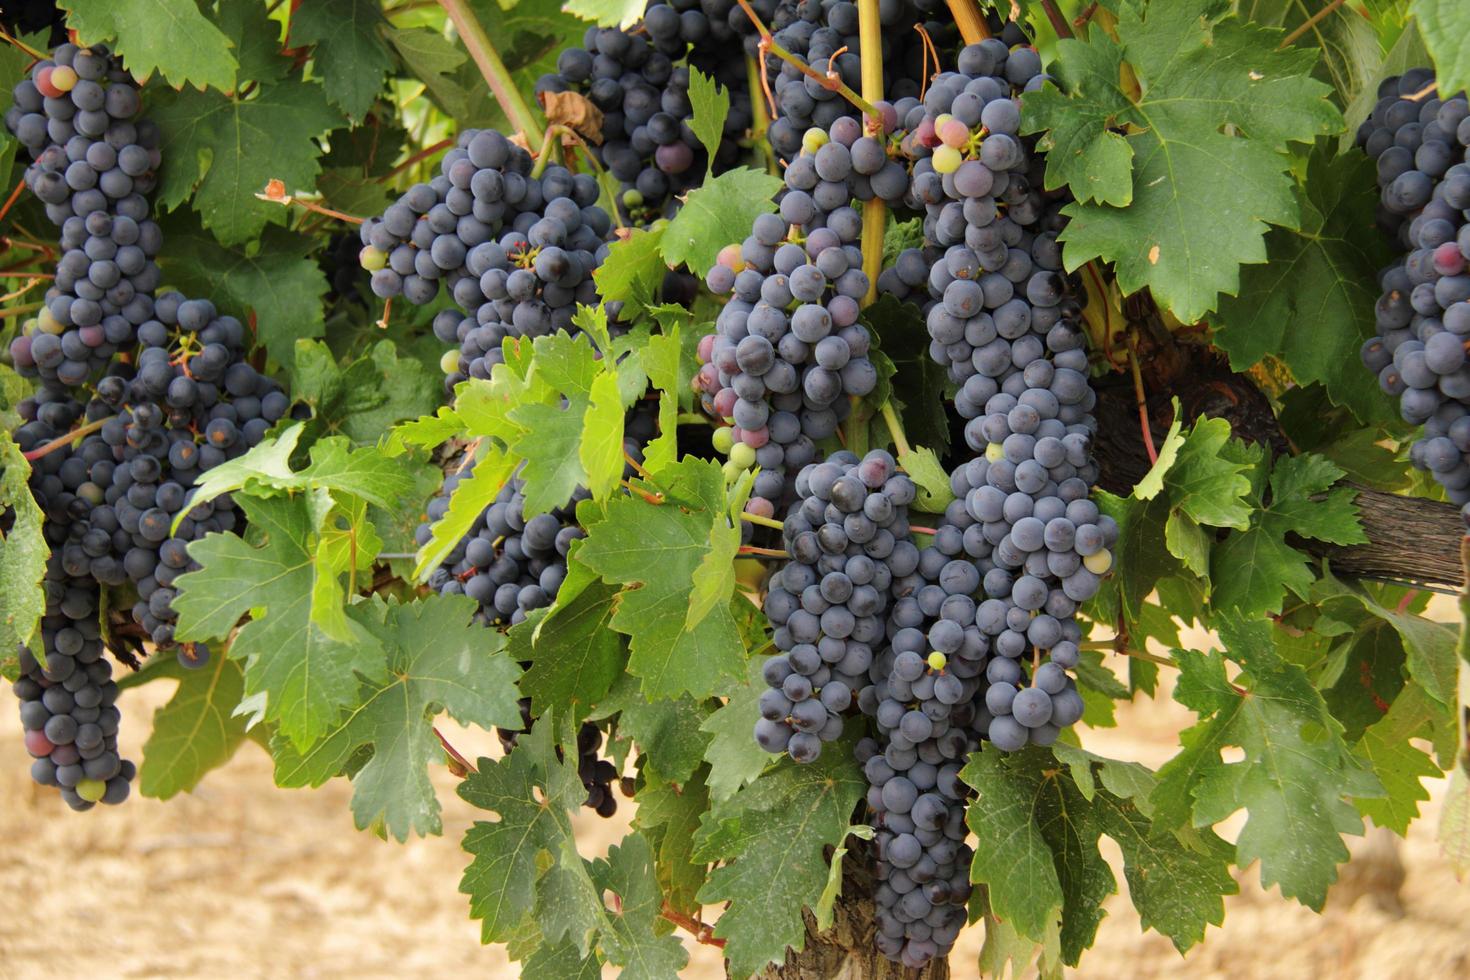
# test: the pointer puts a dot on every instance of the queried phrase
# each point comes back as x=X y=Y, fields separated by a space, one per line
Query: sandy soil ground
x=242 y=880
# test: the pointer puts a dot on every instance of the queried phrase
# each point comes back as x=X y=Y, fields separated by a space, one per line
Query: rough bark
x=846 y=950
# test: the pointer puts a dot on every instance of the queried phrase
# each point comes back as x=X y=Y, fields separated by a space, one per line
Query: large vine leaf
x=633 y=939
x=1253 y=569
x=1038 y=825
x=574 y=654
x=667 y=730
x=438 y=659
x=23 y=552
x=276 y=282
x=308 y=677
x=196 y=731
x=1175 y=202
x=1297 y=777
x=362 y=399
x=769 y=838
x=734 y=758
x=171 y=37
x=715 y=214
x=1311 y=304
x=1445 y=25
x=654 y=549
x=223 y=150
x=351 y=56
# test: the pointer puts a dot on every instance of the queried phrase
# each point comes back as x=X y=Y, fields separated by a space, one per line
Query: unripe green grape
x=372 y=259
x=947 y=160
x=742 y=455
x=723 y=439
x=449 y=363
x=91 y=790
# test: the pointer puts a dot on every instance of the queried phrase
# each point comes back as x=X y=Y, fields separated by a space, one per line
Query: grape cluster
x=92 y=167
x=633 y=79
x=848 y=537
x=1421 y=145
x=1003 y=321
x=67 y=705
x=516 y=252
x=788 y=351
x=824 y=34
x=924 y=699
x=597 y=774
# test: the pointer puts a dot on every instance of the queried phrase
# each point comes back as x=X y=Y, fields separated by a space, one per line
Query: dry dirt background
x=242 y=880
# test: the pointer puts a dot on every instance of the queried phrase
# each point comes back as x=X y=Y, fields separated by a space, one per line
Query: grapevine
x=790 y=426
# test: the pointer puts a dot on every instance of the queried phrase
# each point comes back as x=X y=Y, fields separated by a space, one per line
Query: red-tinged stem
x=60 y=442
x=746 y=549
x=480 y=47
x=1148 y=437
x=1309 y=24
x=1407 y=601
x=830 y=81
x=10 y=201
x=637 y=466
x=1081 y=20
x=423 y=154
x=923 y=530
x=455 y=758
x=652 y=498
x=1057 y=18
x=702 y=933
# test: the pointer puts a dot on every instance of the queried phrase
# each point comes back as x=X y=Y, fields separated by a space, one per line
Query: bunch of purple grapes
x=1421 y=145
x=848 y=538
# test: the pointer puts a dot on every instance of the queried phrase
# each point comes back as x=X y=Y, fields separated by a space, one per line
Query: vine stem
x=1057 y=18
x=747 y=549
x=46 y=449
x=275 y=191
x=15 y=311
x=652 y=498
x=760 y=115
x=830 y=81
x=1309 y=24
x=14 y=195
x=895 y=429
x=701 y=932
x=1148 y=437
x=478 y=43
x=637 y=466
x=22 y=45
x=875 y=212
x=423 y=154
x=923 y=530
x=762 y=521
x=972 y=25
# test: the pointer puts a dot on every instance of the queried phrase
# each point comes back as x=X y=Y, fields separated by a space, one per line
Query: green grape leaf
x=661 y=361
x=1153 y=481
x=1295 y=780
x=351 y=56
x=1399 y=764
x=223 y=151
x=171 y=37
x=529 y=36
x=717 y=213
x=734 y=758
x=197 y=730
x=1311 y=304
x=1177 y=203
x=574 y=653
x=666 y=730
x=466 y=504
x=532 y=794
x=608 y=13
x=362 y=399
x=23 y=554
x=307 y=677
x=335 y=466
x=654 y=550
x=1038 y=827
x=769 y=838
x=1252 y=570
x=279 y=284
x=924 y=468
x=432 y=58
x=1445 y=25
x=601 y=451
x=1429 y=647
x=633 y=270
x=256 y=38
x=562 y=963
x=918 y=383
x=1138 y=562
x=668 y=816
x=438 y=659
x=1207 y=484
x=634 y=940
x=711 y=105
